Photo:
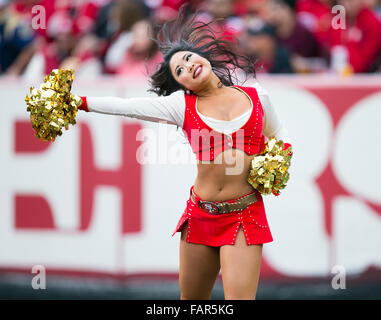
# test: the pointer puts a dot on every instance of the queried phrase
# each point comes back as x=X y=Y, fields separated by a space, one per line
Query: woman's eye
x=186 y=58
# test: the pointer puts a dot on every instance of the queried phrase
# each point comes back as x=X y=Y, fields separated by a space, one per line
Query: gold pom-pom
x=269 y=169
x=52 y=106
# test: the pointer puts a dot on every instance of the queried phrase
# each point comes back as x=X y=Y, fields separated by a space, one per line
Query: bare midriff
x=225 y=177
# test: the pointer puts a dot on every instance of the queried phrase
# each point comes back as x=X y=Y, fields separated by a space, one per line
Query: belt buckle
x=209 y=207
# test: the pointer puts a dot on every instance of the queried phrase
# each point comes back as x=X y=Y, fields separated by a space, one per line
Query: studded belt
x=225 y=207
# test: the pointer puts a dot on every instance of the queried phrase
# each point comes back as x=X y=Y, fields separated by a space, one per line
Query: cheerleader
x=224 y=226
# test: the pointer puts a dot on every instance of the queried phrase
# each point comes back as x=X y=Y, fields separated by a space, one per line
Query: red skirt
x=218 y=230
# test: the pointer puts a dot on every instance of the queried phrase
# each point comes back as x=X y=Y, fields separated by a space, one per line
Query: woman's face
x=190 y=70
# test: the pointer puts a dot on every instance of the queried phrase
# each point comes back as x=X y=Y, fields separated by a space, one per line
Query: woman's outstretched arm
x=169 y=109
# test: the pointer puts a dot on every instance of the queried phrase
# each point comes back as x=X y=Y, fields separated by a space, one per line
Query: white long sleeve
x=169 y=109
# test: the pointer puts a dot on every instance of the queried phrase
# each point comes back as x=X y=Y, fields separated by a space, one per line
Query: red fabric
x=218 y=230
x=316 y=16
x=240 y=7
x=83 y=106
x=173 y=4
x=207 y=143
x=362 y=39
x=317 y=7
x=85 y=19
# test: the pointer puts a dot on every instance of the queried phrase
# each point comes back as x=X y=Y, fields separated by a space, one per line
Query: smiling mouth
x=197 y=71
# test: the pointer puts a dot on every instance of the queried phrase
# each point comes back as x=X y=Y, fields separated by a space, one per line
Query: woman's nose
x=190 y=68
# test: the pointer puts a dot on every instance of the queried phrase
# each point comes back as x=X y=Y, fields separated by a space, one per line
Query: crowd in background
x=96 y=37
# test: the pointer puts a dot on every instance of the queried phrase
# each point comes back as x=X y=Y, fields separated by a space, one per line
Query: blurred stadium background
x=99 y=219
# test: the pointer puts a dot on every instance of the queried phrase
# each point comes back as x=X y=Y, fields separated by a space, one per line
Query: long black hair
x=188 y=34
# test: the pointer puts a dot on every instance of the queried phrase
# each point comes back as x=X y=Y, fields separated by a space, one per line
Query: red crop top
x=207 y=143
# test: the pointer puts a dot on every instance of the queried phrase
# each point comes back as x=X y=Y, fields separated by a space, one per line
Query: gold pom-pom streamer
x=269 y=170
x=52 y=106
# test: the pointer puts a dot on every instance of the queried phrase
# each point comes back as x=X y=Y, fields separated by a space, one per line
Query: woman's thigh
x=199 y=268
x=240 y=268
